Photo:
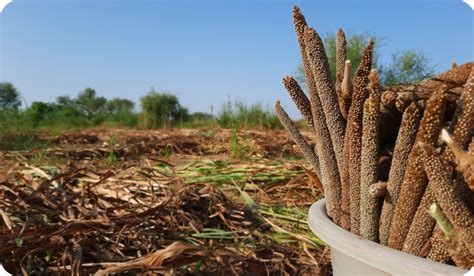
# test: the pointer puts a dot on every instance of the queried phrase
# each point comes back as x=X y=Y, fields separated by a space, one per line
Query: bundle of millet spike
x=379 y=152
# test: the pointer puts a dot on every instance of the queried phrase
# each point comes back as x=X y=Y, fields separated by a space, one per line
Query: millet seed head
x=299 y=98
x=340 y=59
x=352 y=140
x=319 y=66
x=415 y=180
x=345 y=98
x=299 y=140
x=449 y=195
x=403 y=146
x=369 y=206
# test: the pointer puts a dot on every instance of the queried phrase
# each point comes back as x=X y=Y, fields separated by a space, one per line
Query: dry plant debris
x=380 y=161
x=158 y=213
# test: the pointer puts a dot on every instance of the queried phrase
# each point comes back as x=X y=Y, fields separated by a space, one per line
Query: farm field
x=184 y=201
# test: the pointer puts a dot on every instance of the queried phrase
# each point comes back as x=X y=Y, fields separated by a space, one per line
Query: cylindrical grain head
x=448 y=195
x=370 y=206
x=340 y=58
x=439 y=250
x=299 y=98
x=378 y=190
x=352 y=140
x=451 y=78
x=319 y=66
x=415 y=180
x=403 y=145
x=422 y=225
x=345 y=97
x=299 y=140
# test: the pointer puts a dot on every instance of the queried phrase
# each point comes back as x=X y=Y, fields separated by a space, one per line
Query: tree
x=88 y=102
x=64 y=100
x=38 y=111
x=119 y=105
x=407 y=67
x=161 y=109
x=9 y=97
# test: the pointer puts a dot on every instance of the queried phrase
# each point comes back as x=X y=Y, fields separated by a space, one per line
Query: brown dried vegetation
x=152 y=212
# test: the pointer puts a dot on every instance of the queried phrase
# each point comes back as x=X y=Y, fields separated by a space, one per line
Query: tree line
x=157 y=110
x=89 y=109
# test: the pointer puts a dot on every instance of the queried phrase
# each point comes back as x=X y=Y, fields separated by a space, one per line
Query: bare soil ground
x=199 y=201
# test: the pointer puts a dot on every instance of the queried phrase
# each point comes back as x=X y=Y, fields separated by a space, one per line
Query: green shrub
x=17 y=132
x=161 y=110
x=239 y=115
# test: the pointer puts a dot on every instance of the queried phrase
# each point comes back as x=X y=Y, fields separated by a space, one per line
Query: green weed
x=111 y=157
x=166 y=151
x=237 y=149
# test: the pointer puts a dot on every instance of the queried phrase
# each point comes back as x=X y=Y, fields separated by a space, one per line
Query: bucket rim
x=371 y=253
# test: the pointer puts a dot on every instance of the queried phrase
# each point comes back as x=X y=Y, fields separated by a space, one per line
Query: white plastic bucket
x=352 y=255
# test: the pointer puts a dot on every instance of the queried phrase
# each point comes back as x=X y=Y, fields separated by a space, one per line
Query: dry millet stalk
x=422 y=224
x=438 y=245
x=439 y=250
x=455 y=77
x=340 y=59
x=319 y=65
x=345 y=97
x=378 y=190
x=327 y=160
x=370 y=206
x=463 y=132
x=299 y=140
x=388 y=101
x=299 y=98
x=464 y=160
x=460 y=254
x=421 y=227
x=325 y=152
x=456 y=249
x=449 y=196
x=384 y=163
x=350 y=177
x=300 y=24
x=407 y=163
x=415 y=180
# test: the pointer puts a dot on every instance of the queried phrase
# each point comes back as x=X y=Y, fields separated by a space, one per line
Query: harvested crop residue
x=171 y=202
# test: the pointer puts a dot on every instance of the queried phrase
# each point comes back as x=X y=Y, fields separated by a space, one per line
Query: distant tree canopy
x=157 y=110
x=9 y=97
x=161 y=109
x=405 y=66
x=119 y=105
x=89 y=103
x=87 y=109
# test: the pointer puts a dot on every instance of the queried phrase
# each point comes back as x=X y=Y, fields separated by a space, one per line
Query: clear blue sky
x=203 y=51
